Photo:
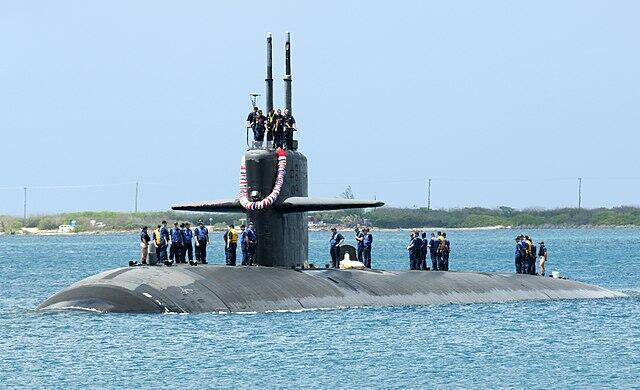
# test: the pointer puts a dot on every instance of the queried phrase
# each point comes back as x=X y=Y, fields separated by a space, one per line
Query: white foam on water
x=89 y=309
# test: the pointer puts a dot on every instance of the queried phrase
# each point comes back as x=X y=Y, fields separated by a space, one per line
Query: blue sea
x=544 y=344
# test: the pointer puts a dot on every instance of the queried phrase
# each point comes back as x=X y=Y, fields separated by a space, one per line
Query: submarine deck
x=217 y=288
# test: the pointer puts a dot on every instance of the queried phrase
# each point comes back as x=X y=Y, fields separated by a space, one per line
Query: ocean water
x=545 y=344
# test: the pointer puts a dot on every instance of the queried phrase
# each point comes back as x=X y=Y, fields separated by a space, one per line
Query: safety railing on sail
x=263 y=143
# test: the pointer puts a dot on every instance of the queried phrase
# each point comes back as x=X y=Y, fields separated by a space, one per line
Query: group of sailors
x=364 y=240
x=437 y=247
x=248 y=242
x=176 y=245
x=179 y=241
x=277 y=126
x=526 y=255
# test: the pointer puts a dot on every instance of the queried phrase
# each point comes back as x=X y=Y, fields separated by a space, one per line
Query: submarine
x=273 y=192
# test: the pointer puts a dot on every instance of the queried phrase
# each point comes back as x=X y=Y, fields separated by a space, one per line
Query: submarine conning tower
x=282 y=236
x=280 y=221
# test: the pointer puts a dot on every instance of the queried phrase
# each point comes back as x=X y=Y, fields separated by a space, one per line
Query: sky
x=498 y=102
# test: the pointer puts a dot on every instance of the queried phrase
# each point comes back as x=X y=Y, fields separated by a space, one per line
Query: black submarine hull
x=212 y=288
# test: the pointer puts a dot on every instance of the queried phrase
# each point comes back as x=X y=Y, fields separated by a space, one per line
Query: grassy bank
x=473 y=217
x=386 y=217
x=112 y=221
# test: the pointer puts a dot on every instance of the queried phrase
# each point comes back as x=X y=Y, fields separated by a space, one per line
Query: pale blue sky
x=501 y=102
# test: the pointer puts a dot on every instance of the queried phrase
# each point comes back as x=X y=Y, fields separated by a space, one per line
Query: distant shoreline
x=31 y=232
x=382 y=219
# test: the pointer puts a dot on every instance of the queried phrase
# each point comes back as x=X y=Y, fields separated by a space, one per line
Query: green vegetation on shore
x=386 y=217
x=112 y=220
x=474 y=217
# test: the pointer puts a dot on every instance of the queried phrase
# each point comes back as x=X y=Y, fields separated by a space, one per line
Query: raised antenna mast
x=269 y=79
x=287 y=73
x=254 y=97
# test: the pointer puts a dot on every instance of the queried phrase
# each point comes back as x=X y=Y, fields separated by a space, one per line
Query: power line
x=451 y=179
x=78 y=186
x=478 y=180
x=81 y=186
x=344 y=181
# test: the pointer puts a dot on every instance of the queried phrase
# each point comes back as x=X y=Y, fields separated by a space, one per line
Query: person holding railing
x=289 y=128
x=252 y=120
x=279 y=137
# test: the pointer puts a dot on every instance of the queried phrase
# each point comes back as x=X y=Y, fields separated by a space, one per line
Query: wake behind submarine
x=273 y=193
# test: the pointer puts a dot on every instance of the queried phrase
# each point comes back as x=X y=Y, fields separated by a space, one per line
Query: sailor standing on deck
x=187 y=246
x=243 y=244
x=542 y=254
x=252 y=120
x=359 y=245
x=144 y=245
x=417 y=250
x=289 y=128
x=532 y=259
x=181 y=253
x=261 y=124
x=272 y=120
x=433 y=252
x=252 y=240
x=366 y=253
x=176 y=243
x=424 y=249
x=412 y=251
x=444 y=253
x=161 y=239
x=439 y=251
x=335 y=242
x=278 y=135
x=526 y=260
x=202 y=239
x=519 y=254
x=232 y=245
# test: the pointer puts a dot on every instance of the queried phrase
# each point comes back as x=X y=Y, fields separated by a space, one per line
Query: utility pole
x=135 y=209
x=429 y=196
x=24 y=211
x=579 y=193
